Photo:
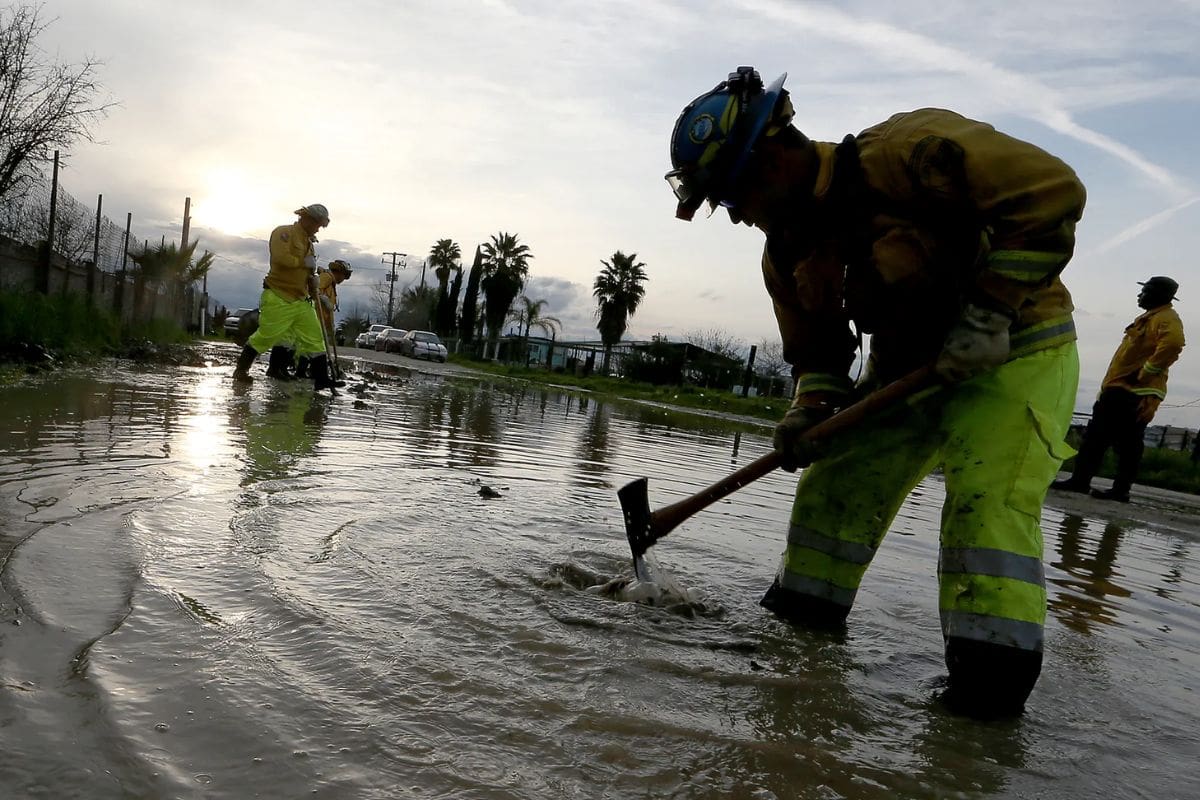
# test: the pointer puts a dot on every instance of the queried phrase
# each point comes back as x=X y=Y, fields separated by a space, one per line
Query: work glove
x=977 y=343
x=313 y=283
x=808 y=409
x=1146 y=408
x=310 y=262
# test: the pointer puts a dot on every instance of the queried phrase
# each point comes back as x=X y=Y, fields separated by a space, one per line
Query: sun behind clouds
x=232 y=205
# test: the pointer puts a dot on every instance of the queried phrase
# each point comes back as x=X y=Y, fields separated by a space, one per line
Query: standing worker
x=943 y=239
x=1136 y=382
x=286 y=313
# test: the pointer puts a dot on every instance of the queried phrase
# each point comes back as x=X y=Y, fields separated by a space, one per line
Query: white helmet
x=317 y=211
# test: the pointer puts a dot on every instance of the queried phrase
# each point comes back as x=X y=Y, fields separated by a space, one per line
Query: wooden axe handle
x=669 y=517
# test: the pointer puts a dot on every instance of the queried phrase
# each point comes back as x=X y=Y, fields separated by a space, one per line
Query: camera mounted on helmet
x=714 y=135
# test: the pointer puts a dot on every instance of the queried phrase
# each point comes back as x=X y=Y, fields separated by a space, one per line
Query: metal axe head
x=635 y=505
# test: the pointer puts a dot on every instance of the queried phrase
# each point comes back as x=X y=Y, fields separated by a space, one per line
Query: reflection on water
x=1083 y=597
x=224 y=593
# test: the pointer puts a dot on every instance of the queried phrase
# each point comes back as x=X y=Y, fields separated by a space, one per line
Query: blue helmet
x=715 y=133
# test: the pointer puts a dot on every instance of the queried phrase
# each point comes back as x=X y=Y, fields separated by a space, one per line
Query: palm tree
x=444 y=257
x=169 y=265
x=529 y=315
x=618 y=291
x=505 y=270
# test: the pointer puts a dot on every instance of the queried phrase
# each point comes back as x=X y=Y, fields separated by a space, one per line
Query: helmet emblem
x=701 y=129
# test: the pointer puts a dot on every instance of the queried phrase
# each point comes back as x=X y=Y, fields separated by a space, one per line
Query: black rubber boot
x=802 y=609
x=1116 y=493
x=989 y=681
x=1072 y=484
x=279 y=362
x=302 y=367
x=241 y=373
x=319 y=367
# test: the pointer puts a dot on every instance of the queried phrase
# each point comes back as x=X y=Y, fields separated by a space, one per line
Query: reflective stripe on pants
x=1000 y=439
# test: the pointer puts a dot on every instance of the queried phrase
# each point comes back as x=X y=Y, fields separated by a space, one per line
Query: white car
x=423 y=344
x=372 y=332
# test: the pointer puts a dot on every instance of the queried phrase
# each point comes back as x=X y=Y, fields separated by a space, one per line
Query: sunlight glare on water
x=422 y=587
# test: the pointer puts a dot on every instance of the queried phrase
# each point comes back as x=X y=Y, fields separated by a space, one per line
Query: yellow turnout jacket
x=290 y=245
x=1152 y=343
x=907 y=222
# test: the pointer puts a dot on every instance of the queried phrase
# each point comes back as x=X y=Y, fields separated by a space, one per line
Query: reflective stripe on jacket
x=909 y=220
x=1151 y=345
x=290 y=245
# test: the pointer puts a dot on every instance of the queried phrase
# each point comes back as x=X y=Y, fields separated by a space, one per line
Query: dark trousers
x=1114 y=424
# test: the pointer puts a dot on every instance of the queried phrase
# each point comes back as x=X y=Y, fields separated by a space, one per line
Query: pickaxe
x=643 y=528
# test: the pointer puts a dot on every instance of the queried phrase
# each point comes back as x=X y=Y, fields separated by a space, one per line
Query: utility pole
x=391 y=278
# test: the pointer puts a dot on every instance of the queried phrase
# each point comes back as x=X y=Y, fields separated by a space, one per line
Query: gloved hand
x=1146 y=408
x=793 y=449
x=310 y=262
x=313 y=283
x=977 y=343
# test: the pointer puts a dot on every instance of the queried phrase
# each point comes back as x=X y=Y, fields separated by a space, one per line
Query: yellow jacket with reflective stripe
x=289 y=244
x=1151 y=345
x=908 y=221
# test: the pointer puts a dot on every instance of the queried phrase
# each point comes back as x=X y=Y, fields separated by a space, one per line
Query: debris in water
x=487 y=491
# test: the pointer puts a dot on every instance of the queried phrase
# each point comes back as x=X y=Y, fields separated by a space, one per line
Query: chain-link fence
x=26 y=219
x=87 y=256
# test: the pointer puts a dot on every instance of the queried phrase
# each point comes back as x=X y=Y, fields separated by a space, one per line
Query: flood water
x=210 y=592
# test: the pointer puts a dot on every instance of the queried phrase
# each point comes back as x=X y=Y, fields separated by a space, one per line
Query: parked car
x=372 y=332
x=241 y=323
x=361 y=340
x=423 y=344
x=389 y=340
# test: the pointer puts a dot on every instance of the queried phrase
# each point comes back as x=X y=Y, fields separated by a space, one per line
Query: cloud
x=1144 y=226
x=1015 y=92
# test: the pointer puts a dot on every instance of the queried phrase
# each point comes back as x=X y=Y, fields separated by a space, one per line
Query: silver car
x=423 y=344
x=369 y=337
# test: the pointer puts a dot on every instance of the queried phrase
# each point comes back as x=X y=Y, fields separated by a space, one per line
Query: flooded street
x=217 y=592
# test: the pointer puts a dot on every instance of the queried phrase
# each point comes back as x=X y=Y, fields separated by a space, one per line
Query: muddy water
x=267 y=593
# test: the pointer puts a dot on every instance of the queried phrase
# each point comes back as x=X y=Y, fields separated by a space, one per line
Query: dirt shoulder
x=1159 y=510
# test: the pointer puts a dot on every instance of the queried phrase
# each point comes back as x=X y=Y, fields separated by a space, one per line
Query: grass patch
x=707 y=399
x=36 y=330
x=66 y=326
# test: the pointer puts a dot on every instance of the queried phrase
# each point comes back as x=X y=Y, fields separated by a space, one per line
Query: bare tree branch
x=44 y=104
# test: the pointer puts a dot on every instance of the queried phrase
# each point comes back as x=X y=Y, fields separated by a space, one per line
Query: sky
x=420 y=120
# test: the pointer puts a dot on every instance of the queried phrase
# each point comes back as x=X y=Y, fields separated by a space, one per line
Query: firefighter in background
x=328 y=279
x=1133 y=387
x=943 y=239
x=286 y=311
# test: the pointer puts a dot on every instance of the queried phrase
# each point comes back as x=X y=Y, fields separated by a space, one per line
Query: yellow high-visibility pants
x=999 y=439
x=291 y=322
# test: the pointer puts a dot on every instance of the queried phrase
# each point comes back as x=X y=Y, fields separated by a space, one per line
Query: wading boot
x=814 y=613
x=241 y=373
x=1116 y=493
x=302 y=367
x=279 y=362
x=319 y=367
x=988 y=680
